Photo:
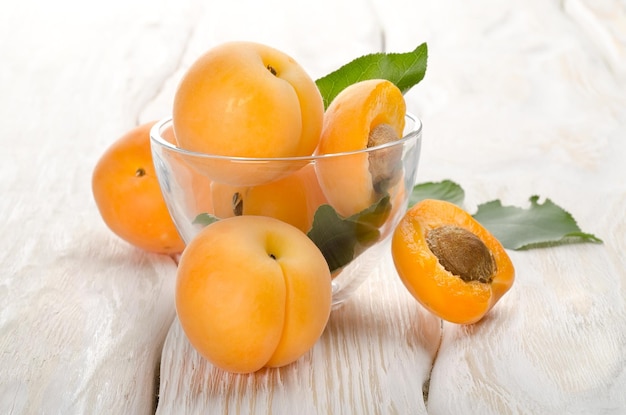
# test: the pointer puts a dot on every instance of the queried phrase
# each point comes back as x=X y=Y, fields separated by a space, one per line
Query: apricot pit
x=461 y=253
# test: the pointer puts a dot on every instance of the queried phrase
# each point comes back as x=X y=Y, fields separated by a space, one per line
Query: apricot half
x=245 y=99
x=128 y=196
x=449 y=262
x=363 y=115
x=252 y=292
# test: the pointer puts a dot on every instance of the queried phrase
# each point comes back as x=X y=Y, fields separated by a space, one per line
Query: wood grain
x=374 y=357
x=520 y=98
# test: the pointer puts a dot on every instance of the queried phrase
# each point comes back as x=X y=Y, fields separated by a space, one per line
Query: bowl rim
x=157 y=139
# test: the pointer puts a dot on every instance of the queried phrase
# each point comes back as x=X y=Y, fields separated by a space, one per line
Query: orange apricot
x=252 y=292
x=449 y=262
x=363 y=115
x=245 y=99
x=128 y=196
x=292 y=199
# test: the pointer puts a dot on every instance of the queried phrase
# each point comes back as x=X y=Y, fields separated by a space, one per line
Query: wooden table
x=520 y=98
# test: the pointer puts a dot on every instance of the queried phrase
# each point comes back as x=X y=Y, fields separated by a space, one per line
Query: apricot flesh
x=252 y=292
x=354 y=182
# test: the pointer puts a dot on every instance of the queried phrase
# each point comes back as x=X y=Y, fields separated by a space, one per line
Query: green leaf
x=342 y=239
x=205 y=219
x=538 y=226
x=334 y=236
x=516 y=228
x=444 y=190
x=405 y=70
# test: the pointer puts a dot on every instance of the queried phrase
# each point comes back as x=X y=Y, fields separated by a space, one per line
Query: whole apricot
x=292 y=199
x=252 y=292
x=247 y=99
x=364 y=115
x=128 y=196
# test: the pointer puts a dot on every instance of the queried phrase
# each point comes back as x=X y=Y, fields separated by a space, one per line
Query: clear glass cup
x=346 y=207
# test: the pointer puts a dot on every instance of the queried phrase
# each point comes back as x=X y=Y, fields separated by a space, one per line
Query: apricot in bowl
x=352 y=244
x=238 y=88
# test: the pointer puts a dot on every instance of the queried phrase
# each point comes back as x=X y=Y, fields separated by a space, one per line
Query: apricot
x=245 y=99
x=127 y=193
x=292 y=199
x=364 y=115
x=449 y=262
x=252 y=292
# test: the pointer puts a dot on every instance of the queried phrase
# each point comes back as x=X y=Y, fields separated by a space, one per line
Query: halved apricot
x=364 y=115
x=449 y=262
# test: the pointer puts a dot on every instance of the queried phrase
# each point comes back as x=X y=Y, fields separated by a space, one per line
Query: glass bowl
x=347 y=203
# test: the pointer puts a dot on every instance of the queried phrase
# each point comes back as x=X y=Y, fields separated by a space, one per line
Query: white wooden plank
x=84 y=315
x=519 y=99
x=374 y=357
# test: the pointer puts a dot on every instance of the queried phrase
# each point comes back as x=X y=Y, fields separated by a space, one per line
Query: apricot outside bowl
x=199 y=188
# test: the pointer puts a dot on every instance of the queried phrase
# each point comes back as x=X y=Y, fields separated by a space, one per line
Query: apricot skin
x=247 y=99
x=292 y=199
x=252 y=292
x=128 y=196
x=356 y=111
